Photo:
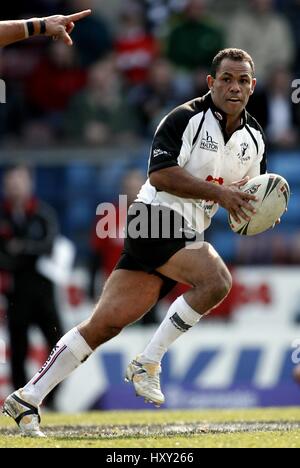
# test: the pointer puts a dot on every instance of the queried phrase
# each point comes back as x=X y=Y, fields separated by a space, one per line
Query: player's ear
x=210 y=81
x=253 y=85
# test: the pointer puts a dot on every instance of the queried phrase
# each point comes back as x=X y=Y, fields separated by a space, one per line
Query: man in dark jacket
x=28 y=228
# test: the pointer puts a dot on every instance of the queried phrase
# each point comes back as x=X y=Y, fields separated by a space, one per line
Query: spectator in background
x=219 y=7
x=99 y=115
x=273 y=106
x=106 y=252
x=19 y=60
x=156 y=97
x=283 y=115
x=109 y=11
x=135 y=47
x=28 y=229
x=264 y=34
x=56 y=78
x=92 y=37
x=197 y=85
x=291 y=9
x=195 y=40
x=159 y=11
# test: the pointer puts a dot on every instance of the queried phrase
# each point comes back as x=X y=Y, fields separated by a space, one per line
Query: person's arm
x=49 y=222
x=177 y=181
x=7 y=261
x=57 y=26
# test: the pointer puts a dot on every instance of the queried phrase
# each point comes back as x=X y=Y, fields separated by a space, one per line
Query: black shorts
x=155 y=246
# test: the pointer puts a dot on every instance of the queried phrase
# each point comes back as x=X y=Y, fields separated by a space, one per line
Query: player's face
x=232 y=86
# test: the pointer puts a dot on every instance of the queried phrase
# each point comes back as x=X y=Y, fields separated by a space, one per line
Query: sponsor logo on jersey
x=215 y=180
x=208 y=205
x=209 y=144
x=159 y=152
x=243 y=157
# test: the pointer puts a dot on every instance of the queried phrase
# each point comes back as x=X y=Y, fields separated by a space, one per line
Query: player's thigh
x=192 y=266
x=127 y=296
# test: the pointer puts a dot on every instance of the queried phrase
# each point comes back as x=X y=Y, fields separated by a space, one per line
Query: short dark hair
x=16 y=167
x=237 y=55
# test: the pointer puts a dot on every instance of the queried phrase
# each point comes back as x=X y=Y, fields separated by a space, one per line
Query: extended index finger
x=78 y=16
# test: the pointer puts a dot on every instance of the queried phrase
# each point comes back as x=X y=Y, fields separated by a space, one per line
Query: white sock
x=67 y=355
x=179 y=319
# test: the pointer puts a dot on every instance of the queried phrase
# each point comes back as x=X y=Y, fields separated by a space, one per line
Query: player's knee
x=109 y=326
x=227 y=281
x=221 y=285
x=97 y=332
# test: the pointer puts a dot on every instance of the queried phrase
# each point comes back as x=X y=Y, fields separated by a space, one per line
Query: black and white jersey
x=193 y=136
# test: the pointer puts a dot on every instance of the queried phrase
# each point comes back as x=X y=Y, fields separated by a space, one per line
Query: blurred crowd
x=134 y=60
x=131 y=63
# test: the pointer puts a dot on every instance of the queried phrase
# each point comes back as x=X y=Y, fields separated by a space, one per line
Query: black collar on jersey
x=221 y=116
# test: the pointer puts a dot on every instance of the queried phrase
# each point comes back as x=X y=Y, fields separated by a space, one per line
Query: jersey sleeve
x=260 y=163
x=263 y=154
x=171 y=144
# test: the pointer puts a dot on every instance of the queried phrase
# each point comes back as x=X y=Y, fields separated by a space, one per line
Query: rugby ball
x=273 y=193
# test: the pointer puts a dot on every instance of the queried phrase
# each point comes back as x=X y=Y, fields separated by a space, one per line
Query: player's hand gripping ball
x=273 y=193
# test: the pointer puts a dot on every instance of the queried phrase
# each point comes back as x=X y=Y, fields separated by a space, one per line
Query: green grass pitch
x=272 y=427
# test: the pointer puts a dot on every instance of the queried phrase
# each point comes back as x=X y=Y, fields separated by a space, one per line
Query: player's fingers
x=61 y=33
x=70 y=26
x=66 y=38
x=248 y=206
x=234 y=215
x=242 y=182
x=241 y=214
x=78 y=16
x=248 y=196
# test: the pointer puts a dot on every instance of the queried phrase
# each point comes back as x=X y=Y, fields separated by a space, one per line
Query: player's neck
x=233 y=123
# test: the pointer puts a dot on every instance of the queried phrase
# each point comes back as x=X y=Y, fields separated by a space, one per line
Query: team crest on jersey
x=243 y=157
x=209 y=144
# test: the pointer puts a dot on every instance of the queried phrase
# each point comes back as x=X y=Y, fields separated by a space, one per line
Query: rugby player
x=203 y=152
